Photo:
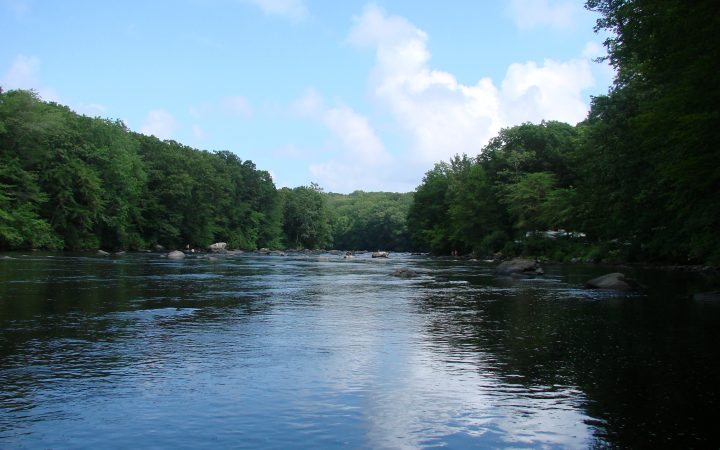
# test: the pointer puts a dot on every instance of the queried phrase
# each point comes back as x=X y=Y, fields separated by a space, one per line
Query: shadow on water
x=646 y=364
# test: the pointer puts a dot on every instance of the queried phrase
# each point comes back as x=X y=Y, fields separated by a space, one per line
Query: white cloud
x=24 y=73
x=90 y=109
x=359 y=157
x=308 y=105
x=198 y=132
x=442 y=116
x=593 y=50
x=552 y=91
x=529 y=14
x=235 y=105
x=294 y=9
x=355 y=135
x=238 y=105
x=290 y=152
x=201 y=110
x=17 y=7
x=159 y=123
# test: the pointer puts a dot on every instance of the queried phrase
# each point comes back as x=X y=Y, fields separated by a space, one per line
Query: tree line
x=73 y=182
x=638 y=179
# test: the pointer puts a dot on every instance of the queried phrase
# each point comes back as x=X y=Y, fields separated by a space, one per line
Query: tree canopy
x=639 y=176
x=75 y=182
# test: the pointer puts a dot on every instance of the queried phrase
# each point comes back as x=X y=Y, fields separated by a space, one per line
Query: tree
x=665 y=53
x=370 y=220
x=306 y=220
x=427 y=217
x=526 y=200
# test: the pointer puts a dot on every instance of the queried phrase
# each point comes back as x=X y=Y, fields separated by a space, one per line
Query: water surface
x=321 y=352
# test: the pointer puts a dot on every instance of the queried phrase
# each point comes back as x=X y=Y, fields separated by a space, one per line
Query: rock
x=218 y=247
x=6 y=257
x=176 y=254
x=380 y=254
x=613 y=281
x=519 y=267
x=405 y=273
x=158 y=248
x=102 y=253
x=713 y=296
x=120 y=253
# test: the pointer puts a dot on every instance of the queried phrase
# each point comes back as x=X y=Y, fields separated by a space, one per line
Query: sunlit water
x=301 y=351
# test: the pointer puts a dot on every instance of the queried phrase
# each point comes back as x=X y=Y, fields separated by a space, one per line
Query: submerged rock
x=380 y=254
x=613 y=281
x=713 y=297
x=176 y=254
x=405 y=273
x=519 y=267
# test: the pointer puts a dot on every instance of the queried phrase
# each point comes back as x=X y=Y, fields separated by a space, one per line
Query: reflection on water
x=299 y=351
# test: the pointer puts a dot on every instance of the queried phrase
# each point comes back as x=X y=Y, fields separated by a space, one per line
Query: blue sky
x=348 y=94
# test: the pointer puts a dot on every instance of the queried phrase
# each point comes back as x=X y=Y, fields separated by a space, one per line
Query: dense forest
x=637 y=180
x=73 y=182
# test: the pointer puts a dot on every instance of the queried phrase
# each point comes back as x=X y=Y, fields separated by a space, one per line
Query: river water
x=250 y=351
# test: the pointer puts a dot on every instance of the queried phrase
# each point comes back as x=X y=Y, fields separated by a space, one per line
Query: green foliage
x=370 y=220
x=639 y=176
x=521 y=182
x=306 y=220
x=657 y=129
x=427 y=217
x=527 y=200
x=74 y=182
x=474 y=210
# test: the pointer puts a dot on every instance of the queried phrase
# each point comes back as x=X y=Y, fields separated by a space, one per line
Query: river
x=307 y=351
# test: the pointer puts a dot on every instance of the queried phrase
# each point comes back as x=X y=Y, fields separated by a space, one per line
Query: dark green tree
x=306 y=221
x=660 y=119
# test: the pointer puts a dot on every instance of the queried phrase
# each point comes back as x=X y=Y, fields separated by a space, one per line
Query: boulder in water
x=405 y=273
x=710 y=297
x=176 y=254
x=615 y=281
x=519 y=267
x=218 y=247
